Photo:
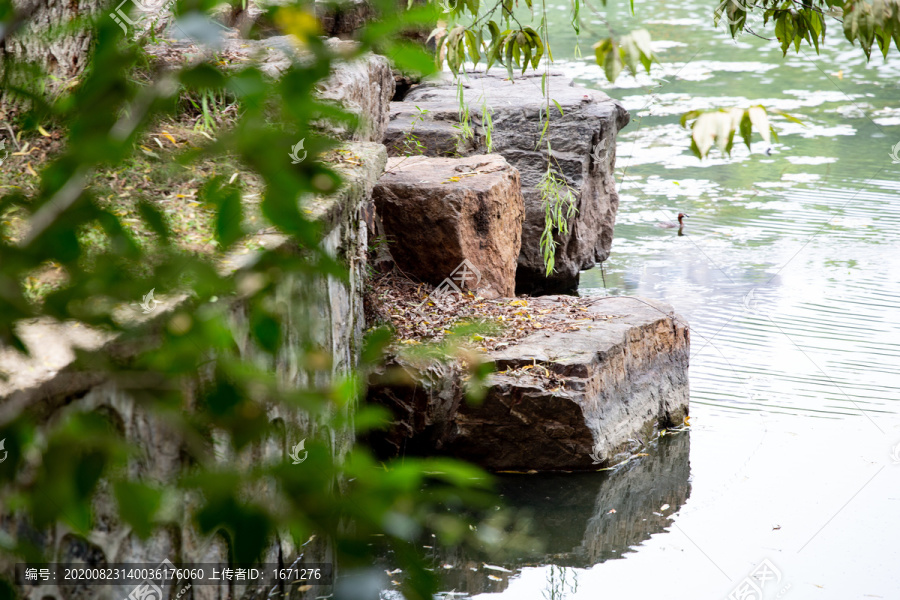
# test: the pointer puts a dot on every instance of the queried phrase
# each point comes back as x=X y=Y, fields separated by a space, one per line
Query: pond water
x=788 y=275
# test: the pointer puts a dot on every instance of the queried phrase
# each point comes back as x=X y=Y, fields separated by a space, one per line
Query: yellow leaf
x=168 y=136
x=29 y=169
x=518 y=303
x=43 y=131
x=297 y=22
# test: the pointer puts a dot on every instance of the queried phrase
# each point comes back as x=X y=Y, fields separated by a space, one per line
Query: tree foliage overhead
x=866 y=22
x=497 y=34
x=501 y=34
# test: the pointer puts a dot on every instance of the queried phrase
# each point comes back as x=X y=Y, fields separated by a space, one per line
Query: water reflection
x=584 y=519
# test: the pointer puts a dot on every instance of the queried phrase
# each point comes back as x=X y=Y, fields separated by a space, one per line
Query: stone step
x=438 y=213
x=574 y=397
x=582 y=139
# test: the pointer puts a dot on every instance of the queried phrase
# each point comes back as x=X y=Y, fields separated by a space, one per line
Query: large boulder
x=597 y=382
x=362 y=85
x=582 y=141
x=439 y=212
x=344 y=19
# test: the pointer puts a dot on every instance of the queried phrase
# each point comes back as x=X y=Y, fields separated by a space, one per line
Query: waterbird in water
x=673 y=225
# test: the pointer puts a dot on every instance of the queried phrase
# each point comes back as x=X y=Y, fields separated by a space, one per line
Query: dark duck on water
x=673 y=225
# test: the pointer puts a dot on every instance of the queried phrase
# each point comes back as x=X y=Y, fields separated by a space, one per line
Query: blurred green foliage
x=190 y=368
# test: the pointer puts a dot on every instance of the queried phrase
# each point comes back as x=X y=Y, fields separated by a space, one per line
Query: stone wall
x=326 y=310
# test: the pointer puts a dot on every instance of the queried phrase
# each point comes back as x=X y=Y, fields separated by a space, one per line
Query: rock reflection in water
x=571 y=514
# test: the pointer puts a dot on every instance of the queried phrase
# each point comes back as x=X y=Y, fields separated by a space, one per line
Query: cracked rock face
x=439 y=212
x=582 y=142
x=563 y=400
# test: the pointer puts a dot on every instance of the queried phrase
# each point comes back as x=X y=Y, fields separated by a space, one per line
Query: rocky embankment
x=579 y=146
x=582 y=382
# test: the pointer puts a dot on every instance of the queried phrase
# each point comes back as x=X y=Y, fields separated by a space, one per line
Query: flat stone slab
x=575 y=399
x=439 y=212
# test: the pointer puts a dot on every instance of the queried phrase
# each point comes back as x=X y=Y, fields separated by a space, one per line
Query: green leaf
x=154 y=219
x=410 y=58
x=472 y=43
x=138 y=505
x=629 y=53
x=202 y=77
x=851 y=27
x=510 y=47
x=227 y=200
x=760 y=121
x=607 y=54
x=746 y=128
x=266 y=329
x=780 y=32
